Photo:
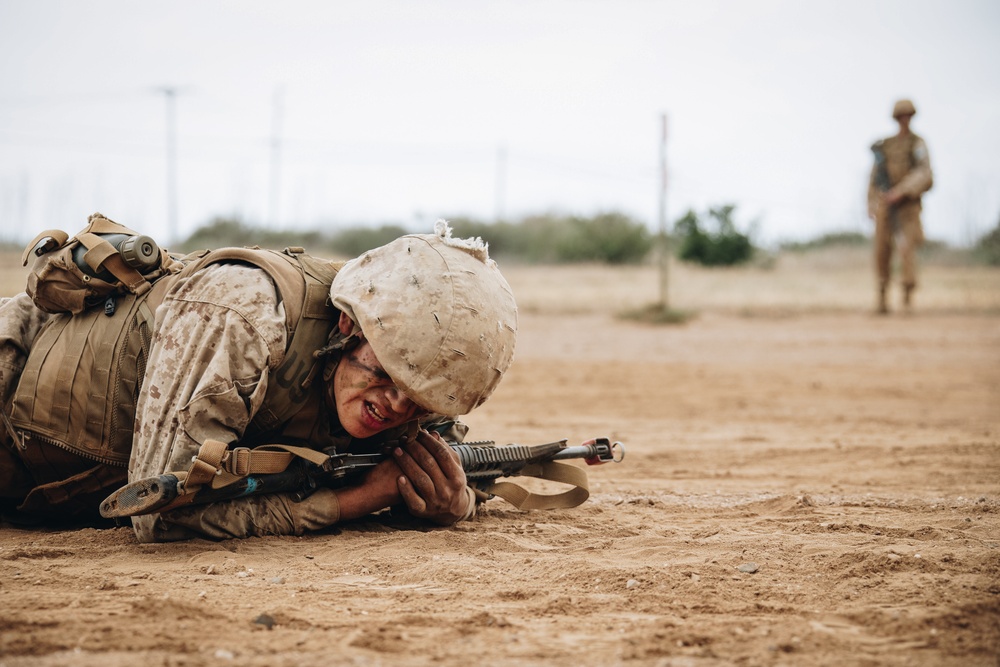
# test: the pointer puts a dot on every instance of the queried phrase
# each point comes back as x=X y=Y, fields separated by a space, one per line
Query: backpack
x=81 y=382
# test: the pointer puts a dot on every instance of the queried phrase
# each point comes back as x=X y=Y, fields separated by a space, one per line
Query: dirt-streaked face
x=366 y=400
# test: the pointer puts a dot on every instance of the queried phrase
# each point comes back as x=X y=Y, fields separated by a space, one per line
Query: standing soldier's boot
x=908 y=297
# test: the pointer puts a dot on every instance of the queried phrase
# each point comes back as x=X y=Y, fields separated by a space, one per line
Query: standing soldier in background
x=900 y=175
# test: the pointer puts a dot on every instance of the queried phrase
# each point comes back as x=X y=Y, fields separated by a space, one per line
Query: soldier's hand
x=433 y=483
x=892 y=197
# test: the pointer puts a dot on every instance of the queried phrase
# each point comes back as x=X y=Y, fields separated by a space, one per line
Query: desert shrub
x=504 y=238
x=354 y=241
x=721 y=245
x=987 y=248
x=222 y=232
x=829 y=240
x=611 y=238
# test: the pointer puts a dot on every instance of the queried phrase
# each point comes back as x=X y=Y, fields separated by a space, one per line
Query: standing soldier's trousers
x=902 y=221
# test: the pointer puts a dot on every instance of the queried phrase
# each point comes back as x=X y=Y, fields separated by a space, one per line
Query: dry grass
x=834 y=280
x=824 y=281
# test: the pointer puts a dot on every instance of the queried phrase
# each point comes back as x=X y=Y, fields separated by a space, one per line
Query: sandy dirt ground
x=805 y=484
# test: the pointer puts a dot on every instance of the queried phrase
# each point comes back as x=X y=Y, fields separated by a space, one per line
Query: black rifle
x=881 y=168
x=483 y=463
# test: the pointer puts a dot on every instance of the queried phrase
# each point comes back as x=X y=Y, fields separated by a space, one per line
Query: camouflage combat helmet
x=439 y=316
x=903 y=108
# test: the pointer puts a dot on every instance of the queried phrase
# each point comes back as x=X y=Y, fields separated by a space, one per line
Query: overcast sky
x=314 y=114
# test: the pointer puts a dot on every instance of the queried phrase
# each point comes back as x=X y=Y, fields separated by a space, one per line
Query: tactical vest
x=303 y=284
x=899 y=157
x=81 y=382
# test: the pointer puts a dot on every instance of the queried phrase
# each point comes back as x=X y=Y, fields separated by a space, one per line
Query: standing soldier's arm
x=873 y=193
x=920 y=178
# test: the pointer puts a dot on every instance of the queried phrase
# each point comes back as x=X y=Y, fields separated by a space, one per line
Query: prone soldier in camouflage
x=901 y=173
x=416 y=332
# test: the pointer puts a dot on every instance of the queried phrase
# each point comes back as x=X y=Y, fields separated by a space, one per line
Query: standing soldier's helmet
x=438 y=314
x=903 y=108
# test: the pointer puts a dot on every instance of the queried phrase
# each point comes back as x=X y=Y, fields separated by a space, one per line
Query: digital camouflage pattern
x=220 y=336
x=20 y=322
x=438 y=314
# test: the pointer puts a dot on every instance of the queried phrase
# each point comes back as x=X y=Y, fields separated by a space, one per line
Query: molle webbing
x=81 y=381
x=82 y=378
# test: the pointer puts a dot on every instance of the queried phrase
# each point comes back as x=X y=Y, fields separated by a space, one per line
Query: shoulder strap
x=216 y=465
x=303 y=284
x=553 y=471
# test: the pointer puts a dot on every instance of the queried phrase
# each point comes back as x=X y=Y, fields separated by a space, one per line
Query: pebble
x=749 y=568
x=223 y=654
x=277 y=580
x=266 y=620
x=631 y=583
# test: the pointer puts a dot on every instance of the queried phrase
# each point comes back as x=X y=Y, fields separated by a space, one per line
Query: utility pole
x=277 y=108
x=664 y=239
x=170 y=93
x=501 y=183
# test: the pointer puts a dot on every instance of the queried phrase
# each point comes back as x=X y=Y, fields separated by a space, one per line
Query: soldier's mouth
x=375 y=413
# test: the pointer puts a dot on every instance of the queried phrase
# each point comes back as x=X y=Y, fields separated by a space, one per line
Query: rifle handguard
x=483 y=463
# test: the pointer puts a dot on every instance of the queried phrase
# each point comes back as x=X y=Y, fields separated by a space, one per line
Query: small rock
x=748 y=568
x=223 y=654
x=277 y=580
x=266 y=620
x=631 y=583
x=210 y=569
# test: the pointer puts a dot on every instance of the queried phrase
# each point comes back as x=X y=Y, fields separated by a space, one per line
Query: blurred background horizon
x=317 y=115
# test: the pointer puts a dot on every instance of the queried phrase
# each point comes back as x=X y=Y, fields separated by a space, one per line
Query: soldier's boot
x=908 y=297
x=883 y=304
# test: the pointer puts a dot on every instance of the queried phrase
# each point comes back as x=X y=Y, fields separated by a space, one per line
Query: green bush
x=987 y=248
x=222 y=232
x=831 y=239
x=723 y=246
x=611 y=238
x=355 y=241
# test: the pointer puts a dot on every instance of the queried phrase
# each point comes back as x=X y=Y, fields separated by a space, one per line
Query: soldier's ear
x=345 y=324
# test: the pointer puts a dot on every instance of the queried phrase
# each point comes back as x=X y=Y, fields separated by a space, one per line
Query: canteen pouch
x=100 y=263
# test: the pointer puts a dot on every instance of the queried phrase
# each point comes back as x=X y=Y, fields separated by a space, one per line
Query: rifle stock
x=483 y=463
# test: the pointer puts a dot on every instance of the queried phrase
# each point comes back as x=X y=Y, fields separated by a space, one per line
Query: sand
x=804 y=484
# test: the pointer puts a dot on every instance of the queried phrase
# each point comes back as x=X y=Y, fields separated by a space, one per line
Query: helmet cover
x=903 y=108
x=438 y=314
